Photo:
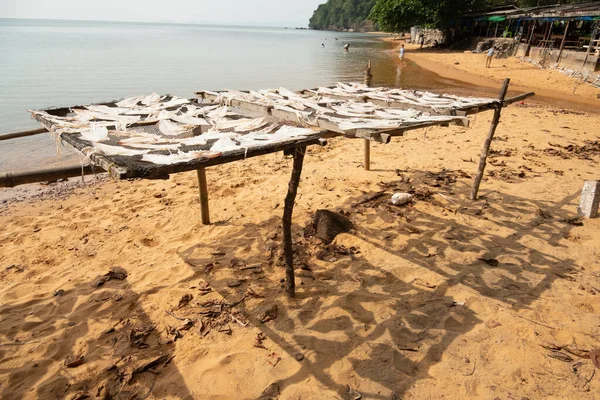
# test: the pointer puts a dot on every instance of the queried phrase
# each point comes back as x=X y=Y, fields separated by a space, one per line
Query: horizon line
x=258 y=25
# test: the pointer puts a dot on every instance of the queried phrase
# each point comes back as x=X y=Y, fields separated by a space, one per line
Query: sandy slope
x=470 y=67
x=411 y=312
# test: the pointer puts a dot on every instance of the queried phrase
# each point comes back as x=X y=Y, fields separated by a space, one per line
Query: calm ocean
x=64 y=63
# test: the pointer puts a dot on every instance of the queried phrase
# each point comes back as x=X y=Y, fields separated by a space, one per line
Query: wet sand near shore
x=441 y=298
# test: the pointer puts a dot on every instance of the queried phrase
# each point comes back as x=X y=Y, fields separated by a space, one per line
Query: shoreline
x=443 y=63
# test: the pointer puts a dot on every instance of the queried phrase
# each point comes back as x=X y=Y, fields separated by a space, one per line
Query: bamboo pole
x=203 y=196
x=14 y=135
x=12 y=179
x=367 y=143
x=288 y=210
x=488 y=141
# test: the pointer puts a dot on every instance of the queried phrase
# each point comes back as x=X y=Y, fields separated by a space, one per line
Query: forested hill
x=343 y=14
x=399 y=15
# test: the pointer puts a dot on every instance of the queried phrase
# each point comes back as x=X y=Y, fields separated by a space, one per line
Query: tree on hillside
x=401 y=15
x=341 y=14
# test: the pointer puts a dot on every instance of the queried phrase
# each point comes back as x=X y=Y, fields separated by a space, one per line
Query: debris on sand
x=353 y=394
x=185 y=300
x=334 y=251
x=270 y=393
x=137 y=335
x=117 y=273
x=588 y=151
x=507 y=174
x=143 y=366
x=595 y=357
x=205 y=289
x=421 y=282
x=175 y=333
x=368 y=198
x=329 y=224
x=492 y=262
x=560 y=356
x=274 y=359
x=259 y=339
x=500 y=153
x=269 y=315
x=236 y=282
x=400 y=199
x=74 y=361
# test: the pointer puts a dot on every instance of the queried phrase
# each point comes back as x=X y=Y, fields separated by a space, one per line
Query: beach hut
x=563 y=35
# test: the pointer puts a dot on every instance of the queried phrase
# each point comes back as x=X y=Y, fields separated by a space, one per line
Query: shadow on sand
x=379 y=320
x=121 y=347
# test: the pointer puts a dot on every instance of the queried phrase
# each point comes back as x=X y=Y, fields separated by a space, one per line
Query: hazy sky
x=244 y=12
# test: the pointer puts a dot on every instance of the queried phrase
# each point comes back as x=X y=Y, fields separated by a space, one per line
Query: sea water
x=48 y=63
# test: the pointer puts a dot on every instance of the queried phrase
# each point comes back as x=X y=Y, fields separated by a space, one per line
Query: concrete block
x=590 y=199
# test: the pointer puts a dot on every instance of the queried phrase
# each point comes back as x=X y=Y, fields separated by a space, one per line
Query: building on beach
x=563 y=35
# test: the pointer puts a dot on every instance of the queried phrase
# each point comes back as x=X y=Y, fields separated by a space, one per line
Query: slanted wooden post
x=203 y=196
x=587 y=53
x=288 y=210
x=562 y=44
x=488 y=140
x=367 y=158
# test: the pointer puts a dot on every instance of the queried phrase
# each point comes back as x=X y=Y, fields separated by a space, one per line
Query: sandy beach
x=550 y=86
x=116 y=290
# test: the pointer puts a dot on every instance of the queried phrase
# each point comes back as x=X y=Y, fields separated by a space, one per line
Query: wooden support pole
x=562 y=44
x=367 y=160
x=11 y=179
x=548 y=31
x=532 y=36
x=288 y=210
x=589 y=49
x=14 y=135
x=203 y=196
x=367 y=143
x=488 y=140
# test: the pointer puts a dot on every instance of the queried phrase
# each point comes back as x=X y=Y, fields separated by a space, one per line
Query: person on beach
x=402 y=50
x=346 y=47
x=489 y=56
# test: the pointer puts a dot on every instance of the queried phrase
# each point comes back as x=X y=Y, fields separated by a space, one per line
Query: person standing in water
x=346 y=47
x=402 y=50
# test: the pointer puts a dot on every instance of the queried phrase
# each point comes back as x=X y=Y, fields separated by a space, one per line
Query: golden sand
x=401 y=307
